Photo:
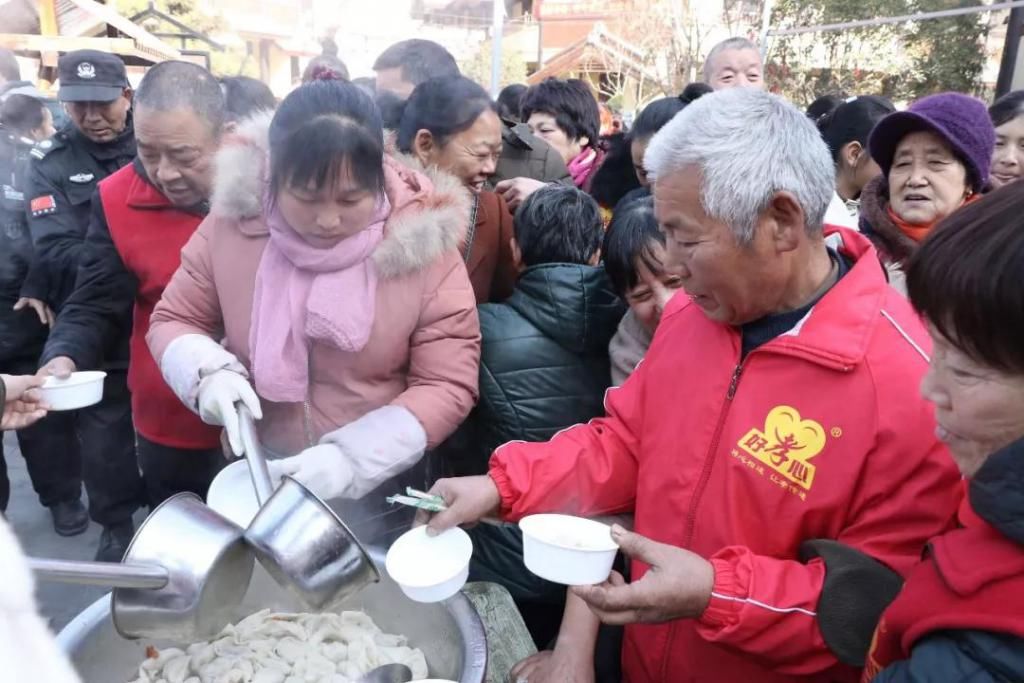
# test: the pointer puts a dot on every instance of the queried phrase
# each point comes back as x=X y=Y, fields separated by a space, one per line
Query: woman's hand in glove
x=355 y=459
x=218 y=395
x=322 y=469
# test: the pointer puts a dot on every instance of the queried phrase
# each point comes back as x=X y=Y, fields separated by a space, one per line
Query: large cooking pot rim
x=471 y=628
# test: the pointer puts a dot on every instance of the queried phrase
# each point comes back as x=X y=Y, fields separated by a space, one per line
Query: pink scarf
x=584 y=165
x=304 y=294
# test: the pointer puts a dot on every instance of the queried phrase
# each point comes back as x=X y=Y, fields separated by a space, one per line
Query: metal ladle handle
x=258 y=469
x=109 y=574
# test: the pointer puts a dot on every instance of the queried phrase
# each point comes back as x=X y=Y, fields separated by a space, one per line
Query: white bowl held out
x=573 y=551
x=80 y=390
x=430 y=568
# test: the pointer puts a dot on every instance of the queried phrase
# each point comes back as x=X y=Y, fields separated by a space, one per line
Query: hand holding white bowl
x=22 y=405
x=469 y=500
x=677 y=585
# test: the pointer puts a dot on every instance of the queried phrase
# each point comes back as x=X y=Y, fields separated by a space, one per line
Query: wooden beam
x=144 y=39
x=48 y=18
x=23 y=42
x=184 y=28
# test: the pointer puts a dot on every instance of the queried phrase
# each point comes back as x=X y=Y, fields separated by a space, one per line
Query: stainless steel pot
x=185 y=572
x=208 y=565
x=450 y=634
x=298 y=538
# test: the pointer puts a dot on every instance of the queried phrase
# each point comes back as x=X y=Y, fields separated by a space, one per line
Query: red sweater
x=149 y=234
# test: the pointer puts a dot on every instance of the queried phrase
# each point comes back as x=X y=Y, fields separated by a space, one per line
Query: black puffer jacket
x=544 y=358
x=21 y=333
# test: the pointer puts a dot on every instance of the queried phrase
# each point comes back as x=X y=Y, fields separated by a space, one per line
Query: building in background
x=40 y=31
x=277 y=38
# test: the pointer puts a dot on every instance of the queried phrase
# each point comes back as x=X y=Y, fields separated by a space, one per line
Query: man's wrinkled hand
x=60 y=367
x=469 y=499
x=677 y=585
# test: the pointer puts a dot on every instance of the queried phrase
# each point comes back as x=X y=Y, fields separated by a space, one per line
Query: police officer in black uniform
x=64 y=173
x=50 y=447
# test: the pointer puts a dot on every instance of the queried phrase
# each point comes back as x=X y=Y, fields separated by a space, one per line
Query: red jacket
x=820 y=433
x=149 y=233
x=971 y=578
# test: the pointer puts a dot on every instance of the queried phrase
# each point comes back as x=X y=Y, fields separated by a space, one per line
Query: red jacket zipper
x=709 y=458
x=691 y=515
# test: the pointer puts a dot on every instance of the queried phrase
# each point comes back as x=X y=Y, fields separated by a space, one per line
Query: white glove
x=322 y=469
x=218 y=394
x=352 y=461
x=190 y=358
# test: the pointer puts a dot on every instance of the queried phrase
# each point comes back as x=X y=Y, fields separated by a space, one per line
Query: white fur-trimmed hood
x=430 y=209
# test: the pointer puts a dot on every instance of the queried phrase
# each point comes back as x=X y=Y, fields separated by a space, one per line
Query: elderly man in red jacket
x=776 y=411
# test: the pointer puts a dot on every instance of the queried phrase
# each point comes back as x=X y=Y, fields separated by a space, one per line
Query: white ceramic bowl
x=232 y=494
x=80 y=390
x=430 y=568
x=570 y=550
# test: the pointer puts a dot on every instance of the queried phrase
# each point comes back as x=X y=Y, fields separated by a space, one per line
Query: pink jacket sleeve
x=189 y=304
x=444 y=359
x=585 y=470
x=769 y=608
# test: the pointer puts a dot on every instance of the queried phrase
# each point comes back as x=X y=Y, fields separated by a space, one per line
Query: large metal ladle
x=182 y=579
x=298 y=539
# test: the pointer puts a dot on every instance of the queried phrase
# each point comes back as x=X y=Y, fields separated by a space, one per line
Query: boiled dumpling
x=267 y=675
x=268 y=647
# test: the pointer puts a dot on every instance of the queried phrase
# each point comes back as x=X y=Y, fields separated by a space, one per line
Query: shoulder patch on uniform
x=42 y=148
x=43 y=206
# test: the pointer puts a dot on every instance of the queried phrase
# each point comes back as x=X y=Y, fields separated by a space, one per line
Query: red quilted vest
x=149 y=234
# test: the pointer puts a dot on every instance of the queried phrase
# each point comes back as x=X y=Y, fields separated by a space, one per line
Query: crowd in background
x=814 y=454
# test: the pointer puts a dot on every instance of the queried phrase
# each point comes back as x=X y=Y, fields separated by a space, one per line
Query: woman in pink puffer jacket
x=327 y=292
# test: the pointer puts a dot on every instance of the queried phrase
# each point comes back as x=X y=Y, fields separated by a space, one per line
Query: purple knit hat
x=962 y=121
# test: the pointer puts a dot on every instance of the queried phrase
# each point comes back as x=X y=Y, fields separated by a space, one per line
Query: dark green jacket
x=544 y=359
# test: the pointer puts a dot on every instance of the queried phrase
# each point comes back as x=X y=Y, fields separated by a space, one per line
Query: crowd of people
x=812 y=458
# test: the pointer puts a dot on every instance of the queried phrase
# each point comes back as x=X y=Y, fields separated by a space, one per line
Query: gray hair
x=175 y=84
x=737 y=43
x=748 y=145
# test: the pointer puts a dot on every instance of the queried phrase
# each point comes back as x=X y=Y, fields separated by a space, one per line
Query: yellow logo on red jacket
x=786 y=444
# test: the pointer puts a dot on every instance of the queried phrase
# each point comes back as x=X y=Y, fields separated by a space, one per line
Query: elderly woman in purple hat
x=935 y=158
